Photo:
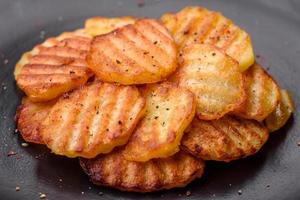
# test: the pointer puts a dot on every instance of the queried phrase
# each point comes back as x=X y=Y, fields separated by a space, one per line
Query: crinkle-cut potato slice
x=102 y=25
x=263 y=94
x=115 y=171
x=139 y=53
x=29 y=117
x=93 y=119
x=225 y=139
x=213 y=77
x=199 y=25
x=282 y=112
x=169 y=110
x=54 y=67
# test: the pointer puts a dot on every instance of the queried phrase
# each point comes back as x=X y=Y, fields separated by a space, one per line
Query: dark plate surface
x=274 y=173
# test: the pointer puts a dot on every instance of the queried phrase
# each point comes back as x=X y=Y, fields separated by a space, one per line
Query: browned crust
x=114 y=171
x=226 y=139
x=29 y=116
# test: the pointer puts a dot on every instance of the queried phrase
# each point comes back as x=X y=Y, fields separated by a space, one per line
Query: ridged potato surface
x=143 y=52
x=29 y=117
x=282 y=112
x=93 y=119
x=263 y=94
x=213 y=77
x=225 y=139
x=169 y=110
x=102 y=25
x=56 y=66
x=200 y=25
x=115 y=171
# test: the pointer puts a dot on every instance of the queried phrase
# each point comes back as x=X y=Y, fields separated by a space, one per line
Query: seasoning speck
x=140 y=3
x=11 y=153
x=42 y=34
x=155 y=42
x=16 y=130
x=119 y=122
x=188 y=193
x=60 y=18
x=60 y=180
x=18 y=188
x=118 y=62
x=82 y=192
x=156 y=117
x=24 y=144
x=42 y=196
x=298 y=144
x=268 y=186
x=240 y=192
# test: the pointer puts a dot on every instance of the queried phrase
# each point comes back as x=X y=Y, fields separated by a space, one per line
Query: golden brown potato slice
x=93 y=119
x=225 y=139
x=169 y=110
x=29 y=117
x=144 y=52
x=115 y=171
x=282 y=112
x=102 y=25
x=56 y=66
x=199 y=25
x=262 y=94
x=213 y=77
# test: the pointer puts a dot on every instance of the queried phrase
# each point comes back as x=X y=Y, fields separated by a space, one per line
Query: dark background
x=274 y=173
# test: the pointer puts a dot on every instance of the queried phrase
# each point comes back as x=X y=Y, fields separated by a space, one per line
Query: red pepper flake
x=140 y=3
x=11 y=153
x=261 y=59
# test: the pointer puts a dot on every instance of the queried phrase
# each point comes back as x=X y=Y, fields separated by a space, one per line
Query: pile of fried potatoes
x=144 y=102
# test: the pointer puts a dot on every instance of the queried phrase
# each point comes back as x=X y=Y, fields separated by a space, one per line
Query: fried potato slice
x=225 y=139
x=213 y=77
x=29 y=117
x=282 y=112
x=93 y=119
x=102 y=25
x=169 y=110
x=262 y=94
x=115 y=171
x=199 y=25
x=54 y=67
x=144 y=52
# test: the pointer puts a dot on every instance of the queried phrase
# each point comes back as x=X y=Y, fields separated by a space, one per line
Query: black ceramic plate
x=274 y=173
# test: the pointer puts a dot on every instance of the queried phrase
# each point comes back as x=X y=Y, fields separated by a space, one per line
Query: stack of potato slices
x=144 y=102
